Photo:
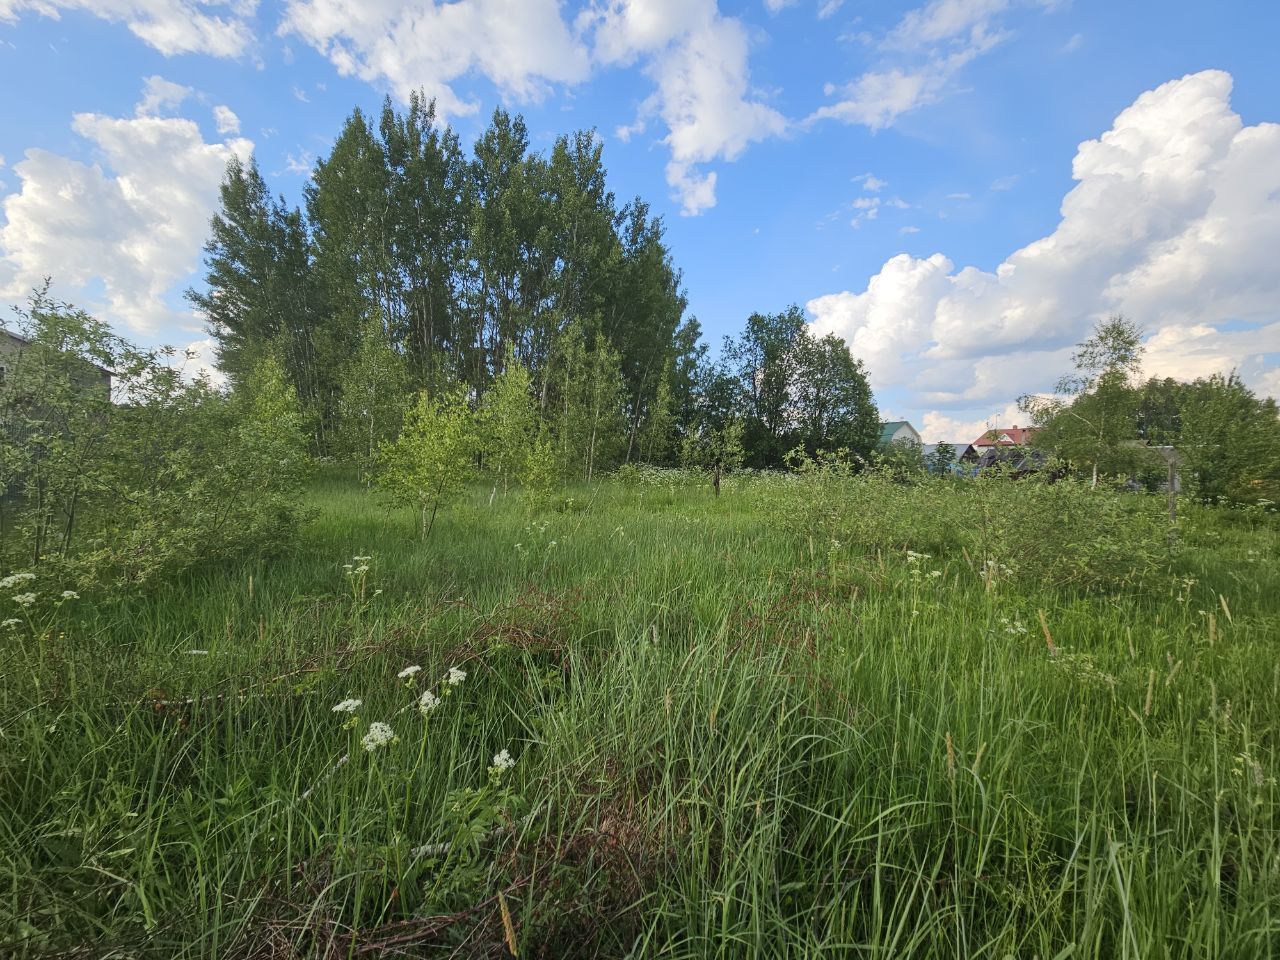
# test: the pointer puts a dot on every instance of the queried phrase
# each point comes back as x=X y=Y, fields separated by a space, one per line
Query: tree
x=713 y=440
x=508 y=424
x=428 y=465
x=1231 y=441
x=1096 y=427
x=832 y=404
x=373 y=390
x=942 y=459
x=260 y=299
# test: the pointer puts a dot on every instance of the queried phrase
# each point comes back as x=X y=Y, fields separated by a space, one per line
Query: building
x=898 y=431
x=1014 y=436
x=89 y=376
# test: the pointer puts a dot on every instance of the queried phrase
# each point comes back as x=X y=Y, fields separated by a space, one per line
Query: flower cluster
x=378 y=735
x=24 y=599
x=347 y=706
x=16 y=578
x=428 y=702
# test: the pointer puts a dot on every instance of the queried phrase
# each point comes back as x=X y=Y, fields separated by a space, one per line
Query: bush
x=141 y=481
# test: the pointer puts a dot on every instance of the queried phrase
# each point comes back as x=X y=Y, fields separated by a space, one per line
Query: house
x=89 y=376
x=897 y=431
x=1014 y=436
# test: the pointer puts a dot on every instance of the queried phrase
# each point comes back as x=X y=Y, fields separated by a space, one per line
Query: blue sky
x=913 y=174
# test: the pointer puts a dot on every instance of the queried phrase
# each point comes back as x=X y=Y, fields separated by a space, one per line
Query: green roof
x=887 y=430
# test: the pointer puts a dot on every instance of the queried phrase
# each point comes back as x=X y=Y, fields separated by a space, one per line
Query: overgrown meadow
x=819 y=715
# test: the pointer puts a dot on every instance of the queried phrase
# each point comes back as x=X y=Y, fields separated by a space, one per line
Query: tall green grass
x=813 y=717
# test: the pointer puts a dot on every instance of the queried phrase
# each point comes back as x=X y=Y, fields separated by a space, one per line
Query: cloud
x=924 y=52
x=1173 y=221
x=423 y=44
x=120 y=233
x=300 y=164
x=160 y=96
x=226 y=120
x=698 y=61
x=936 y=427
x=909 y=230
x=870 y=182
x=217 y=27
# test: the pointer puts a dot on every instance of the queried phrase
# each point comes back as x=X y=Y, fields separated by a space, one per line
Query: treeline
x=416 y=267
x=1103 y=420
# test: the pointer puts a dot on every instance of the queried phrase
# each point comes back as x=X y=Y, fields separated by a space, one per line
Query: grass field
x=815 y=717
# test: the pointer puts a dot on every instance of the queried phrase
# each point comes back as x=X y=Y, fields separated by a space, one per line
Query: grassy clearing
x=764 y=725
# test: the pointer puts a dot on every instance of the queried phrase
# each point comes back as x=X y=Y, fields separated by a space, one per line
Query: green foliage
x=1231 y=441
x=942 y=459
x=1096 y=429
x=373 y=391
x=111 y=494
x=429 y=464
x=795 y=389
x=508 y=423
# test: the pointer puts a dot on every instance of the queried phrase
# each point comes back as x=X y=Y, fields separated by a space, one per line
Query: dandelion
x=347 y=706
x=70 y=595
x=14 y=579
x=25 y=599
x=502 y=761
x=455 y=676
x=378 y=735
x=408 y=672
x=427 y=702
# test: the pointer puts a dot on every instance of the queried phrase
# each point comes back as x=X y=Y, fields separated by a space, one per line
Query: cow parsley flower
x=25 y=599
x=14 y=579
x=347 y=706
x=503 y=761
x=427 y=702
x=408 y=672
x=378 y=735
x=11 y=622
x=456 y=676
x=70 y=595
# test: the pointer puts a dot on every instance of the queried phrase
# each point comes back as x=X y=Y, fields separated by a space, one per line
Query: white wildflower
x=11 y=622
x=427 y=702
x=25 y=599
x=378 y=735
x=408 y=672
x=455 y=676
x=347 y=706
x=14 y=579
x=503 y=761
x=70 y=595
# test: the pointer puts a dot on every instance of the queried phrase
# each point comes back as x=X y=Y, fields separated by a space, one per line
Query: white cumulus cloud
x=122 y=234
x=218 y=27
x=1173 y=221
x=226 y=120
x=520 y=47
x=698 y=60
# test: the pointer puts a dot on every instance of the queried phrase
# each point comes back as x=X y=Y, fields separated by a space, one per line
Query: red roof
x=1006 y=437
